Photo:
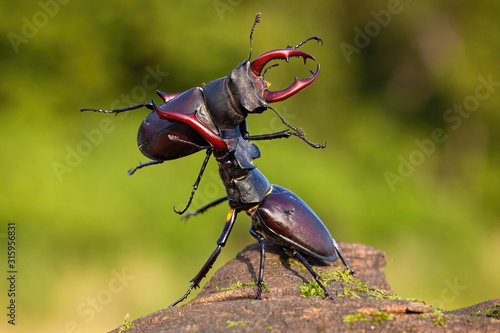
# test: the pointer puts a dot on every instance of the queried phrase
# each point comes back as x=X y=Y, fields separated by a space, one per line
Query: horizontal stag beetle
x=277 y=213
x=222 y=104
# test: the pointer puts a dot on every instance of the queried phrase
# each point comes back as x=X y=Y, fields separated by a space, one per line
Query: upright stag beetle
x=213 y=118
x=222 y=104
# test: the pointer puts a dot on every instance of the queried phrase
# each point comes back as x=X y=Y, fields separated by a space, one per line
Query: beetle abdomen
x=287 y=220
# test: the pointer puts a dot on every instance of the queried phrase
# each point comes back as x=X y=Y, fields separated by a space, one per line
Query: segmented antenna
x=320 y=42
x=267 y=68
x=257 y=20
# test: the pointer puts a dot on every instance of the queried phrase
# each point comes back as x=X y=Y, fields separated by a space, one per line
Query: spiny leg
x=198 y=179
x=283 y=134
x=148 y=105
x=142 y=165
x=344 y=259
x=278 y=135
x=270 y=136
x=311 y=270
x=299 y=132
x=228 y=226
x=261 y=239
x=195 y=185
x=205 y=208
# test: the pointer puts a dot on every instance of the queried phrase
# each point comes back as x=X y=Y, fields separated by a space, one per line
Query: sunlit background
x=407 y=100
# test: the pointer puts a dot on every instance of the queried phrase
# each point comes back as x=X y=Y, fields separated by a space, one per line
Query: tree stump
x=290 y=301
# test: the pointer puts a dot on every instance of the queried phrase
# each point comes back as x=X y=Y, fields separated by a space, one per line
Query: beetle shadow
x=302 y=273
x=284 y=260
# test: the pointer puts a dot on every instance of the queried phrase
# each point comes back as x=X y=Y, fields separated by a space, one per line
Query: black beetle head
x=246 y=89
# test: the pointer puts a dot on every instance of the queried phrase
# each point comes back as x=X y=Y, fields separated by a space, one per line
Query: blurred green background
x=403 y=100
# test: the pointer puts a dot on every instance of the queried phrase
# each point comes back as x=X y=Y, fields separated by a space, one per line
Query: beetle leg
x=299 y=132
x=302 y=135
x=260 y=238
x=284 y=134
x=271 y=136
x=142 y=165
x=311 y=270
x=278 y=135
x=344 y=259
x=205 y=208
x=228 y=226
x=148 y=105
x=195 y=185
x=166 y=97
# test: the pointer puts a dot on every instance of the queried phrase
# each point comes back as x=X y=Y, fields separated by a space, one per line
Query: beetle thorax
x=221 y=105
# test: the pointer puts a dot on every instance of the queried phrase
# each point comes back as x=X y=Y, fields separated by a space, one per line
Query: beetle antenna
x=267 y=68
x=316 y=38
x=257 y=20
x=299 y=132
x=196 y=183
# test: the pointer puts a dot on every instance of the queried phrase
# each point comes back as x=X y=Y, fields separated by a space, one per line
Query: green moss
x=493 y=313
x=355 y=317
x=242 y=285
x=378 y=316
x=295 y=262
x=276 y=261
x=375 y=317
x=269 y=328
x=348 y=292
x=438 y=317
x=312 y=289
x=126 y=324
x=231 y=324
x=354 y=287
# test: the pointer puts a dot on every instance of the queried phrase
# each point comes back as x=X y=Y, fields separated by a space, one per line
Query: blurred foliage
x=81 y=226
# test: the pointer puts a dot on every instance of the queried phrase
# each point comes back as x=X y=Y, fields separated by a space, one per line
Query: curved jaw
x=260 y=62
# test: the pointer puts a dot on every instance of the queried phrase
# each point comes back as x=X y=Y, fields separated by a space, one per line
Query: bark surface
x=364 y=303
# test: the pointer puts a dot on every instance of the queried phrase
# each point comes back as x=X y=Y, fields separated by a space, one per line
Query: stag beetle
x=222 y=104
x=277 y=213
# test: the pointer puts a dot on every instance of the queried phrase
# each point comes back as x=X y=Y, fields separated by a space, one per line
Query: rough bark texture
x=355 y=306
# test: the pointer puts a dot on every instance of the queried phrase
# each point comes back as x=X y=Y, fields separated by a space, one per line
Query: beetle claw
x=284 y=54
x=259 y=63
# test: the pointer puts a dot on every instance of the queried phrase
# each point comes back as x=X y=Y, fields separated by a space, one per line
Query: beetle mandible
x=222 y=104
